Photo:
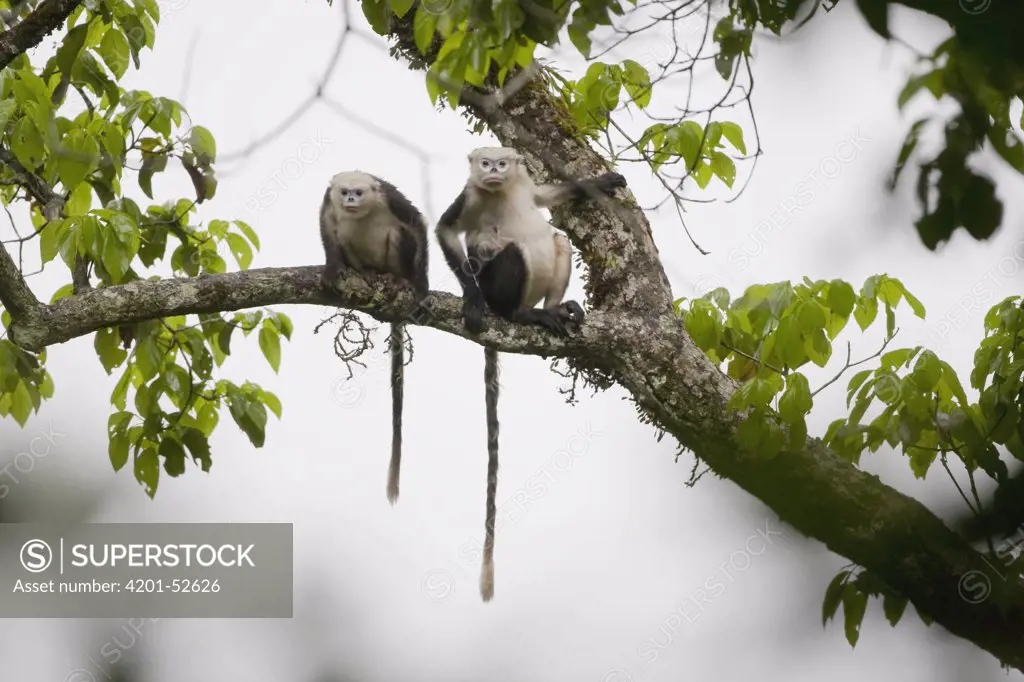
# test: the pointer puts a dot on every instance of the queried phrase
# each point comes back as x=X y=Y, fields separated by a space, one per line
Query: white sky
x=598 y=575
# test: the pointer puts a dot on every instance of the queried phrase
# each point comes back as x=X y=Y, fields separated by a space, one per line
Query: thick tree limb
x=40 y=23
x=380 y=298
x=15 y=295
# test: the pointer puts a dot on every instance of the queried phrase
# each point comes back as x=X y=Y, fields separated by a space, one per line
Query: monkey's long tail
x=397 y=395
x=491 y=391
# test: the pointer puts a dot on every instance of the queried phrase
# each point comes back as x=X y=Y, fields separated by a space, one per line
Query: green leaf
x=855 y=603
x=239 y=249
x=876 y=12
x=202 y=143
x=147 y=470
x=70 y=47
x=21 y=403
x=7 y=109
x=115 y=52
x=376 y=12
x=62 y=292
x=249 y=415
x=927 y=371
x=179 y=383
x=108 y=348
x=424 y=27
x=151 y=164
x=270 y=344
x=723 y=167
x=249 y=233
x=909 y=144
x=637 y=82
x=50 y=238
x=580 y=38
x=796 y=401
x=725 y=62
x=400 y=7
x=135 y=32
x=150 y=6
x=207 y=418
x=833 y=596
x=841 y=297
x=865 y=312
x=893 y=606
x=858 y=379
x=921 y=460
x=118 y=450
x=271 y=401
x=197 y=444
x=734 y=134
x=284 y=323
x=119 y=395
x=115 y=257
x=27 y=143
x=173 y=454
x=148 y=358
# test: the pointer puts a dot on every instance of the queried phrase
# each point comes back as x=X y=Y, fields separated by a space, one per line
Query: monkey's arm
x=412 y=256
x=412 y=238
x=334 y=253
x=549 y=196
x=448 y=230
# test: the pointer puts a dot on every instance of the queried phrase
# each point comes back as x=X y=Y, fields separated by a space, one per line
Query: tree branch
x=15 y=295
x=40 y=23
x=379 y=297
x=50 y=203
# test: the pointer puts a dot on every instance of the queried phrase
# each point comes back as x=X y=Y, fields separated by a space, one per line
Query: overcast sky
x=599 y=579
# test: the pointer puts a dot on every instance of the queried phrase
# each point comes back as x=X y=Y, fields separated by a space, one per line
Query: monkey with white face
x=515 y=259
x=368 y=225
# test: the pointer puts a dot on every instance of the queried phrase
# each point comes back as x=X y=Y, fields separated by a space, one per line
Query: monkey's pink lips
x=351 y=209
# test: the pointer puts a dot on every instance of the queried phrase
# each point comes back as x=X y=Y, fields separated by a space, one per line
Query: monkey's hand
x=608 y=182
x=330 y=275
x=473 y=310
x=573 y=311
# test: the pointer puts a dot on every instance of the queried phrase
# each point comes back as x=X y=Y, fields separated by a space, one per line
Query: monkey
x=513 y=258
x=368 y=225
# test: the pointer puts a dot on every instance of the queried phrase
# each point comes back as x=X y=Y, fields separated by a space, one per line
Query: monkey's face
x=355 y=197
x=492 y=168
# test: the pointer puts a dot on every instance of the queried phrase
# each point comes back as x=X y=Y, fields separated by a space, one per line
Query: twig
x=850 y=365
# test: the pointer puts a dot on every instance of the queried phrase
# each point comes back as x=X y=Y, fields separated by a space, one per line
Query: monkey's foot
x=562 y=320
x=473 y=313
x=608 y=182
x=575 y=311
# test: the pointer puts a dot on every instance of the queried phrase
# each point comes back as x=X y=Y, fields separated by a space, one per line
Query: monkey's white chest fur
x=517 y=219
x=370 y=242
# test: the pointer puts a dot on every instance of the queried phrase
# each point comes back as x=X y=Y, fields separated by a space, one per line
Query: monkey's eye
x=485 y=164
x=502 y=165
x=359 y=192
